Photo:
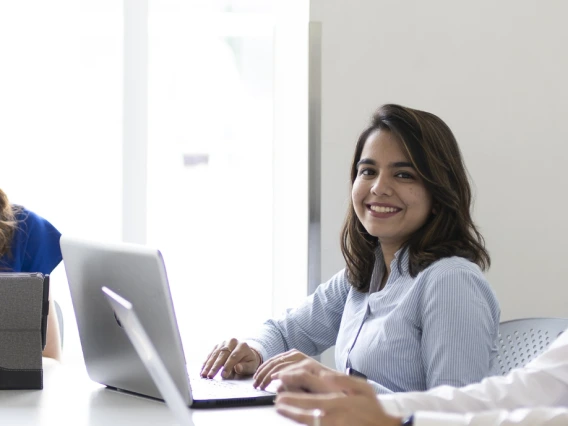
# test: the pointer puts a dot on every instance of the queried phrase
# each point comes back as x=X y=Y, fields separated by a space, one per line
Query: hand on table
x=264 y=374
x=313 y=396
x=236 y=358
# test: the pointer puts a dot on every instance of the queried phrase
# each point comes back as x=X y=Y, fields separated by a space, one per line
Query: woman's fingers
x=265 y=380
x=308 y=366
x=265 y=371
x=301 y=380
x=209 y=361
x=222 y=356
x=310 y=376
x=217 y=358
x=266 y=368
x=208 y=356
x=241 y=356
x=348 y=384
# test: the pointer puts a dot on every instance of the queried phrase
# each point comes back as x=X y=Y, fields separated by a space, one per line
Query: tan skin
x=341 y=399
x=53 y=343
x=386 y=179
x=391 y=201
x=236 y=358
x=53 y=340
x=243 y=361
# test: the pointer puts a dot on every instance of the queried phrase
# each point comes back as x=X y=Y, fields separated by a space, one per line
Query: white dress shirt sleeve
x=541 y=416
x=534 y=395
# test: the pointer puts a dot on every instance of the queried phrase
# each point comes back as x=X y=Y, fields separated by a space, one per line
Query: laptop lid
x=128 y=319
x=138 y=274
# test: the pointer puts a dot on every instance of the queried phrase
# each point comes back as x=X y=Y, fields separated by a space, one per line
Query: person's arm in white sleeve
x=541 y=416
x=534 y=395
x=542 y=383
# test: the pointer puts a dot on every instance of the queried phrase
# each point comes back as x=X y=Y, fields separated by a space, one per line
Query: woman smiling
x=412 y=309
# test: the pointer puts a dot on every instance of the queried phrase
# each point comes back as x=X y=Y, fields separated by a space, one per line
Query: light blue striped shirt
x=439 y=328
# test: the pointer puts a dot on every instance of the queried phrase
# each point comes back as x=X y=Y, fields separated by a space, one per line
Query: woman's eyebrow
x=391 y=165
x=401 y=164
x=366 y=161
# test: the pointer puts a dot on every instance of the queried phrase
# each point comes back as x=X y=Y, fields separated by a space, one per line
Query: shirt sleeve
x=460 y=322
x=520 y=397
x=312 y=327
x=542 y=416
x=379 y=389
x=42 y=252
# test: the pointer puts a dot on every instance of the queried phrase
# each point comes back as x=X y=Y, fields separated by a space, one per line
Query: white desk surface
x=70 y=397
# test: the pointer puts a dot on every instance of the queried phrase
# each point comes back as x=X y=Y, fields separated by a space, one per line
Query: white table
x=70 y=397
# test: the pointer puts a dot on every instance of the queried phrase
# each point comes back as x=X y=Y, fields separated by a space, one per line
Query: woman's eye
x=366 y=172
x=404 y=175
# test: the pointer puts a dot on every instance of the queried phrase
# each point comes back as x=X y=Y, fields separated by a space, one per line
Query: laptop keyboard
x=215 y=389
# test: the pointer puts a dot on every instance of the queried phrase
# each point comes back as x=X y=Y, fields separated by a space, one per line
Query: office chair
x=521 y=340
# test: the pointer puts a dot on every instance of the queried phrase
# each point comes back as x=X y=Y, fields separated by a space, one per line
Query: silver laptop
x=129 y=321
x=138 y=274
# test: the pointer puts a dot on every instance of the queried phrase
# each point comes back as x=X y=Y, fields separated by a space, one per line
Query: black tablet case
x=24 y=306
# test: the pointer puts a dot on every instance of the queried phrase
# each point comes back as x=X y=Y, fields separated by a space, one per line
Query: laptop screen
x=125 y=313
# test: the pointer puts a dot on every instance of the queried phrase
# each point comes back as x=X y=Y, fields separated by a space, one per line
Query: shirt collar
x=401 y=253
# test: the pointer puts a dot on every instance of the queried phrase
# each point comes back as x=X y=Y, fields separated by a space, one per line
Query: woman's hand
x=264 y=374
x=236 y=358
x=335 y=399
x=302 y=377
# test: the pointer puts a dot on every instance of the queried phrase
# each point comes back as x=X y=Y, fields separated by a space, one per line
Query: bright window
x=210 y=139
x=61 y=108
x=222 y=91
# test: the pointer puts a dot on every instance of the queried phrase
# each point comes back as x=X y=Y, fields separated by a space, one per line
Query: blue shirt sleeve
x=460 y=320
x=35 y=245
x=312 y=327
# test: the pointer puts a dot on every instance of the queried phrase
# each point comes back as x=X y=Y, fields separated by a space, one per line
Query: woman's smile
x=382 y=210
x=389 y=197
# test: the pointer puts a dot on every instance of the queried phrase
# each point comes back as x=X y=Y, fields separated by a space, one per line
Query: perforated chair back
x=522 y=340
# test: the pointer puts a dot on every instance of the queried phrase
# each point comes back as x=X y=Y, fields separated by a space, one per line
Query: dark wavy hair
x=433 y=151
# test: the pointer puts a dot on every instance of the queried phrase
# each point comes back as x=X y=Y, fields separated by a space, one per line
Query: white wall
x=496 y=72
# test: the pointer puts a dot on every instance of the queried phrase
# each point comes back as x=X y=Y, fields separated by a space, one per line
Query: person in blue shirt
x=29 y=243
x=412 y=309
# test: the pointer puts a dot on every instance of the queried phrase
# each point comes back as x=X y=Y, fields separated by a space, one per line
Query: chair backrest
x=521 y=340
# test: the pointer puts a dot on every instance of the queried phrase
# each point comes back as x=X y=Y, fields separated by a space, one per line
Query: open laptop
x=138 y=274
x=129 y=321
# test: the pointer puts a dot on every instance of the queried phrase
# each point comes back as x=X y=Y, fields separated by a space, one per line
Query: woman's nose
x=382 y=186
